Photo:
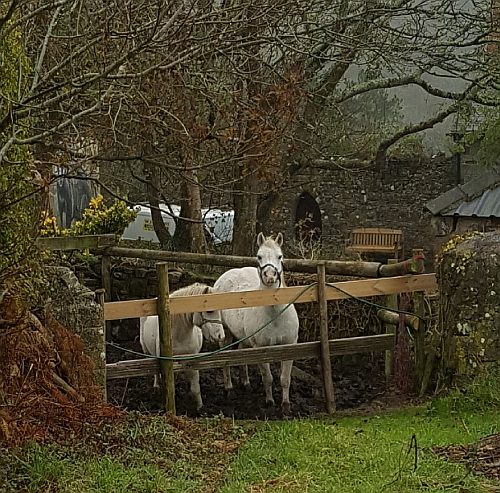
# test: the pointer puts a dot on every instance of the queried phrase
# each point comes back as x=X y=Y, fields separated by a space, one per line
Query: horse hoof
x=270 y=403
x=286 y=409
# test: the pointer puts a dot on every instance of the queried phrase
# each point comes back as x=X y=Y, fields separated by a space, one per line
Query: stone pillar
x=76 y=307
x=469 y=313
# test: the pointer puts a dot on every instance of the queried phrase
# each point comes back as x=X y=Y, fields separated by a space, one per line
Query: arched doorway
x=307 y=219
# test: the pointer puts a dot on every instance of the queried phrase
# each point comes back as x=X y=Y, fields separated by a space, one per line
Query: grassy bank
x=381 y=453
x=389 y=452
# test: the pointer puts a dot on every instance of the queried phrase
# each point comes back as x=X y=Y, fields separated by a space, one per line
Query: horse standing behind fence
x=188 y=330
x=283 y=326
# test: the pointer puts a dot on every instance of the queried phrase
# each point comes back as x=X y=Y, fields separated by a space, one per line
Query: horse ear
x=279 y=239
x=260 y=239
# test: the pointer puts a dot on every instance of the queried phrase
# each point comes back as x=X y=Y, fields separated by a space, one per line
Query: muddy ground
x=359 y=381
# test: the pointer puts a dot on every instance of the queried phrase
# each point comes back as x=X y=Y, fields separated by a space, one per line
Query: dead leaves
x=481 y=457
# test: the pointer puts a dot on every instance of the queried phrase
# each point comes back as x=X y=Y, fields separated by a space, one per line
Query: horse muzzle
x=270 y=275
x=213 y=331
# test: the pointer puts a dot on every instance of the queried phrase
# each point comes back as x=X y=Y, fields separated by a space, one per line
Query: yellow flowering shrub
x=98 y=218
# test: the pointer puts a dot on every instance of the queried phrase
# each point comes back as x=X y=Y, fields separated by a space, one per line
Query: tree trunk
x=154 y=200
x=245 y=215
x=190 y=232
x=196 y=228
x=180 y=240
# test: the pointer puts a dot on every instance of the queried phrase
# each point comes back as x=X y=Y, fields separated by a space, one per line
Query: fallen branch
x=67 y=387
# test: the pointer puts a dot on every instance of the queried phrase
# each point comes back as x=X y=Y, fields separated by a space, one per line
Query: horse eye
x=259 y=257
x=280 y=257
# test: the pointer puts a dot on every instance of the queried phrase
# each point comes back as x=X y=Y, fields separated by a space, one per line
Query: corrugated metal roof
x=486 y=205
x=478 y=197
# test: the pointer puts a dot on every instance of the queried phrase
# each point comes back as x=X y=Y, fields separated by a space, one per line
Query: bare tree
x=228 y=98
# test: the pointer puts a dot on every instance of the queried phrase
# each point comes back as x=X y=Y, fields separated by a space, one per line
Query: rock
x=469 y=285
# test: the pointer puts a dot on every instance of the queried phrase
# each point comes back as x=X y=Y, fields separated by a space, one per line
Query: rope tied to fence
x=227 y=346
x=238 y=341
x=377 y=305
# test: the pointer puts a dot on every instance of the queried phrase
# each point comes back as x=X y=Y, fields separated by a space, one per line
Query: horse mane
x=185 y=320
x=269 y=242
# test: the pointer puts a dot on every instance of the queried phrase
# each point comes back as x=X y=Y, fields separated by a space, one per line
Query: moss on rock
x=469 y=282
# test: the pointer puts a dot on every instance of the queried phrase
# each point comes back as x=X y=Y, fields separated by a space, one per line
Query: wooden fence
x=297 y=294
x=388 y=282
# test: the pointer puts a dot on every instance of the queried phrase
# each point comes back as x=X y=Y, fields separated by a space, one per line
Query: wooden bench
x=376 y=240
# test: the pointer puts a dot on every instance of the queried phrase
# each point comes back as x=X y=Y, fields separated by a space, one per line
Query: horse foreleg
x=267 y=380
x=285 y=377
x=193 y=377
x=244 y=378
x=226 y=371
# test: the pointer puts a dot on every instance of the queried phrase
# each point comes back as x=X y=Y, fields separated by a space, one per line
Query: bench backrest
x=373 y=237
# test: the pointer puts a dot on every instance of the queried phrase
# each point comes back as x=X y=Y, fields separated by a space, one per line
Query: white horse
x=283 y=327
x=188 y=330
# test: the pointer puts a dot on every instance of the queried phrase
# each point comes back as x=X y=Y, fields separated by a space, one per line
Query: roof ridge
x=465 y=192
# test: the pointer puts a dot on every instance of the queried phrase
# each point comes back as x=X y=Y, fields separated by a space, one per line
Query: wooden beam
x=352 y=268
x=337 y=267
x=106 y=276
x=391 y=302
x=244 y=299
x=392 y=318
x=101 y=367
x=268 y=354
x=92 y=242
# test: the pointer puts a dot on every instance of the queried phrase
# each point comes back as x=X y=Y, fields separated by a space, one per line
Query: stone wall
x=447 y=226
x=132 y=282
x=367 y=195
x=74 y=306
x=468 y=341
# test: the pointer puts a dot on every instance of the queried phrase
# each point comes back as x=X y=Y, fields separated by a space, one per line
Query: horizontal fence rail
x=369 y=269
x=62 y=243
x=337 y=267
x=244 y=299
x=267 y=354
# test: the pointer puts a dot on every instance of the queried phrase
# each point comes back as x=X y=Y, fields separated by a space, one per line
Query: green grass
x=140 y=454
x=347 y=454
x=359 y=454
x=371 y=454
x=46 y=469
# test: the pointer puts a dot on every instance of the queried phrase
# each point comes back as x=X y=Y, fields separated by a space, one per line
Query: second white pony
x=188 y=330
x=282 y=325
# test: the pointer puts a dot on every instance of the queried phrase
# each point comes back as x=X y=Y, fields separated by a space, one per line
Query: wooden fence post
x=100 y=299
x=391 y=302
x=326 y=364
x=420 y=349
x=166 y=346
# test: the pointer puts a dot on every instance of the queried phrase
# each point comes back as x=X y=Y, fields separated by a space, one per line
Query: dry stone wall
x=74 y=305
x=469 y=285
x=366 y=195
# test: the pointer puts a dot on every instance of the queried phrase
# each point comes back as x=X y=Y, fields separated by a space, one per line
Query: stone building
x=473 y=206
x=339 y=198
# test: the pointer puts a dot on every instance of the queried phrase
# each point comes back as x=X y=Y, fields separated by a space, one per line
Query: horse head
x=270 y=259
x=210 y=322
